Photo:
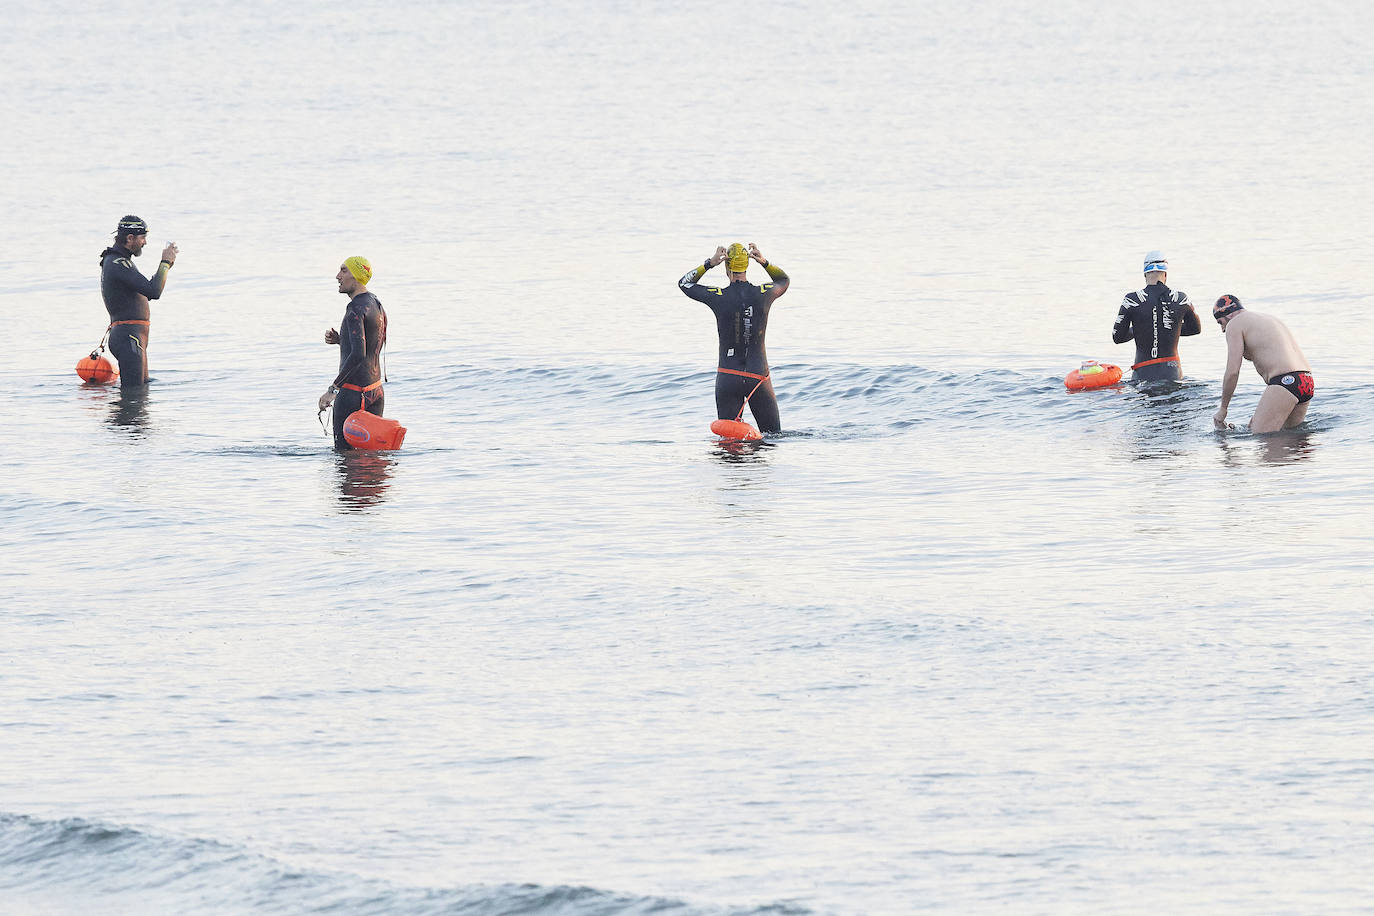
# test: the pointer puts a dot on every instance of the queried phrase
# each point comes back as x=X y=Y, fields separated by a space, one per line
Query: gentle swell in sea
x=78 y=866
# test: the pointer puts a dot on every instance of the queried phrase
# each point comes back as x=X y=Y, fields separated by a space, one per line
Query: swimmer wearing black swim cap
x=1156 y=317
x=1266 y=342
x=741 y=311
x=126 y=293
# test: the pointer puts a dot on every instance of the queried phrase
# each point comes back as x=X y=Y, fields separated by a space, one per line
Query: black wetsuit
x=741 y=311
x=362 y=334
x=126 y=293
x=1156 y=317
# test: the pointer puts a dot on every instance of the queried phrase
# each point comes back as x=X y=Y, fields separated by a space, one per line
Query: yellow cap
x=360 y=267
x=737 y=259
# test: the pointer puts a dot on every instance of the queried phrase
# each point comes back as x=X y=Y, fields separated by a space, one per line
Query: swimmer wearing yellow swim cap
x=358 y=386
x=360 y=267
x=741 y=310
x=737 y=258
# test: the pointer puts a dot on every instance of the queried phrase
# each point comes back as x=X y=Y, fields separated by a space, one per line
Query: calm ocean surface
x=956 y=641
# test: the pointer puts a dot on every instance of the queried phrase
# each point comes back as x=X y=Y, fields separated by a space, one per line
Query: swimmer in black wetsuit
x=1156 y=317
x=358 y=386
x=741 y=311
x=126 y=293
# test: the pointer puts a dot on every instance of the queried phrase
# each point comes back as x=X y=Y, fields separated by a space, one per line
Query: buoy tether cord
x=737 y=428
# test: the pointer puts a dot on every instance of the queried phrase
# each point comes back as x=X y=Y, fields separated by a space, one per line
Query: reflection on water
x=129 y=409
x=1283 y=447
x=1164 y=419
x=1286 y=445
x=737 y=451
x=363 y=477
x=743 y=489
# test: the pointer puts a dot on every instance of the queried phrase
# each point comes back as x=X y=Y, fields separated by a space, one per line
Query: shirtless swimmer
x=1267 y=342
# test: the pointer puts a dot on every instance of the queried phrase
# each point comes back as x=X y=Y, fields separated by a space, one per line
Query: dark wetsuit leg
x=764 y=406
x=731 y=390
x=129 y=345
x=1169 y=371
x=1299 y=384
x=346 y=402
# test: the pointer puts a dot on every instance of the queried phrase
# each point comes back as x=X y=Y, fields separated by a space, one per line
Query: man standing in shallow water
x=1156 y=317
x=1267 y=342
x=126 y=293
x=358 y=386
x=741 y=310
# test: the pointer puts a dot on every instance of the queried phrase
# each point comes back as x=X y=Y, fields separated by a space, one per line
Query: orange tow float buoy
x=735 y=429
x=96 y=368
x=367 y=430
x=1092 y=374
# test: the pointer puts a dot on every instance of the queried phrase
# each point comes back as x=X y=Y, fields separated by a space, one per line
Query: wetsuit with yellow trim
x=1156 y=317
x=362 y=334
x=741 y=311
x=126 y=293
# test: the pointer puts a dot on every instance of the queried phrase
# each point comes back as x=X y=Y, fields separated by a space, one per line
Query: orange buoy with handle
x=96 y=368
x=367 y=430
x=735 y=429
x=1092 y=374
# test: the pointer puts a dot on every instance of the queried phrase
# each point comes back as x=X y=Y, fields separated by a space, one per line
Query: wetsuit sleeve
x=1122 y=330
x=1191 y=323
x=353 y=337
x=123 y=271
x=693 y=290
x=779 y=285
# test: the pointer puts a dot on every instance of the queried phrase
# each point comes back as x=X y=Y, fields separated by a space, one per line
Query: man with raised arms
x=1156 y=317
x=1266 y=342
x=741 y=311
x=126 y=293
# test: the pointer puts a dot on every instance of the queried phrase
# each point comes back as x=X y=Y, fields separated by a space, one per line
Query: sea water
x=957 y=640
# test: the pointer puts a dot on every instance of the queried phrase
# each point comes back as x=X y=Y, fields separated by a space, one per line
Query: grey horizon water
x=956 y=641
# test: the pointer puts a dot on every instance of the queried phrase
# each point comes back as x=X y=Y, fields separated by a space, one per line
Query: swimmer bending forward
x=741 y=311
x=1266 y=342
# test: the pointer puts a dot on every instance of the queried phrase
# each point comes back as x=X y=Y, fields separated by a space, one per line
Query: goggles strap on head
x=131 y=225
x=1226 y=305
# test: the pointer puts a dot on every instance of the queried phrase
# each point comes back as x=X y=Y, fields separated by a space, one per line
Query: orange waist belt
x=1162 y=359
x=737 y=372
x=377 y=384
x=142 y=321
